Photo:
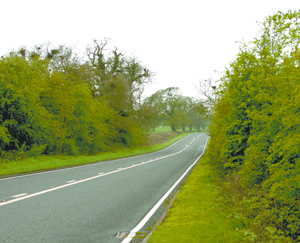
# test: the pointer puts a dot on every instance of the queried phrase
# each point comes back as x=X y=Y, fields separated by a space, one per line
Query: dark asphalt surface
x=85 y=206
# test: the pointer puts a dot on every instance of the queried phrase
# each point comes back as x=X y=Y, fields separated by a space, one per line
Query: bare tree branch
x=207 y=91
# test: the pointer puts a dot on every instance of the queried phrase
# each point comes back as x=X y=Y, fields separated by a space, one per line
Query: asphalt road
x=93 y=203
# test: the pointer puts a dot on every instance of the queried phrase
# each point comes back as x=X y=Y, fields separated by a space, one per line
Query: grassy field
x=166 y=129
x=161 y=129
x=196 y=215
x=51 y=162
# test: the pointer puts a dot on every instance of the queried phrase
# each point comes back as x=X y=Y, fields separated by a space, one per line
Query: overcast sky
x=181 y=41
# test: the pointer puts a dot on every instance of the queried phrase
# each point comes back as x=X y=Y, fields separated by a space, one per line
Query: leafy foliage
x=23 y=119
x=53 y=102
x=255 y=130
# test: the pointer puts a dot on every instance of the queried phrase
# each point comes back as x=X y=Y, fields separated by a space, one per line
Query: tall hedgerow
x=256 y=129
x=53 y=102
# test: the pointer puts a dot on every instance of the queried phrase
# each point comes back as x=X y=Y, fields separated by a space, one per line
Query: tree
x=153 y=110
x=118 y=81
x=116 y=77
x=208 y=92
x=170 y=104
x=197 y=113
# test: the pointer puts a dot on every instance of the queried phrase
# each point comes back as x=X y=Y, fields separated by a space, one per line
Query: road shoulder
x=196 y=214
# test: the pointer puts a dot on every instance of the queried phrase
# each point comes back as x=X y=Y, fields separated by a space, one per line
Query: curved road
x=93 y=203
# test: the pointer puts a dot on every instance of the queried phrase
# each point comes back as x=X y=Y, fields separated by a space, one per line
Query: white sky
x=181 y=41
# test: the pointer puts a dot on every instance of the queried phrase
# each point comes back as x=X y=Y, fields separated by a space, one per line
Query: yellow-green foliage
x=22 y=117
x=196 y=215
x=51 y=102
x=256 y=127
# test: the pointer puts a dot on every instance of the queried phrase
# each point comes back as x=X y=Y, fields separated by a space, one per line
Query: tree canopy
x=175 y=110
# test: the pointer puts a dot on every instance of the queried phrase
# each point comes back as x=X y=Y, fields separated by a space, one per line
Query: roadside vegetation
x=255 y=142
x=55 y=103
x=58 y=109
x=48 y=162
x=52 y=102
x=247 y=187
x=197 y=213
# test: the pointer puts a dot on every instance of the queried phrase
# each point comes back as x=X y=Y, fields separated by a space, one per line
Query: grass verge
x=196 y=215
x=52 y=162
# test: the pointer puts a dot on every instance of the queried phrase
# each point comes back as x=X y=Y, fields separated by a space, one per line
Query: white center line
x=20 y=195
x=70 y=181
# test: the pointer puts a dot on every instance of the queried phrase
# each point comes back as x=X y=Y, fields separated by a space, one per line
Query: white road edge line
x=82 y=180
x=157 y=205
x=97 y=163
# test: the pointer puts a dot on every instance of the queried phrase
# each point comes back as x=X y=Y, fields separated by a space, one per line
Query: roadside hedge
x=255 y=134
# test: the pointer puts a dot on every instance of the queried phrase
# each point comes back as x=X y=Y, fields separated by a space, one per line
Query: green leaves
x=257 y=122
x=20 y=108
x=51 y=101
x=4 y=136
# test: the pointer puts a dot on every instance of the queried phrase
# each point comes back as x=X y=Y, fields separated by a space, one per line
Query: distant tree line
x=255 y=132
x=168 y=107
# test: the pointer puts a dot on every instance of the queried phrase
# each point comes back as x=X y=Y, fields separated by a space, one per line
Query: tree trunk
x=173 y=128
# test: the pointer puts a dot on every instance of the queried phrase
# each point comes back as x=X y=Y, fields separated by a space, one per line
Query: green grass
x=162 y=129
x=168 y=129
x=196 y=215
x=52 y=162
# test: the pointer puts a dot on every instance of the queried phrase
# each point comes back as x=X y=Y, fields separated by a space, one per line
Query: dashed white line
x=70 y=181
x=20 y=195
